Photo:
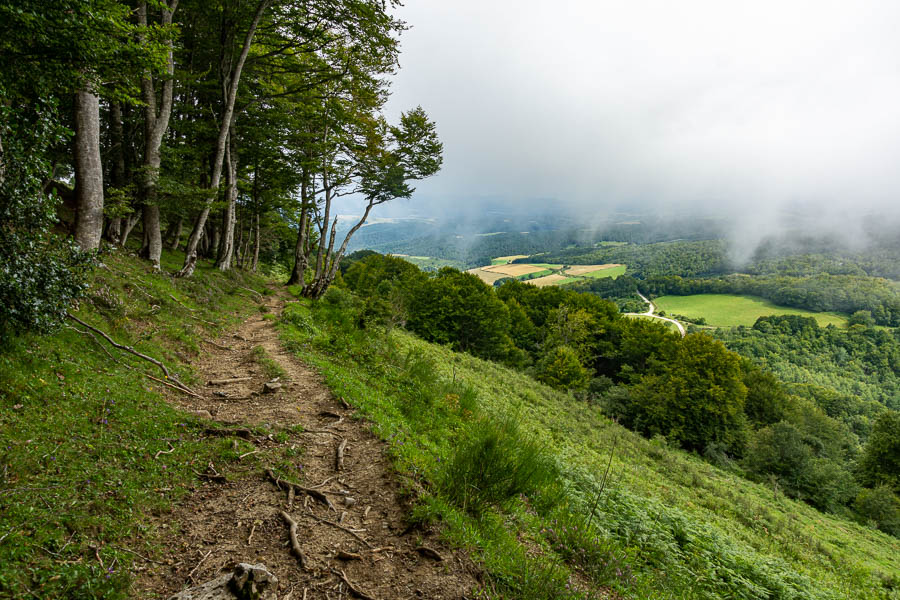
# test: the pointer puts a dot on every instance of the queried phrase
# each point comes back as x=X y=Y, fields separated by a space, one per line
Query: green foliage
x=40 y=273
x=493 y=464
x=561 y=368
x=880 y=460
x=881 y=506
x=696 y=400
x=459 y=309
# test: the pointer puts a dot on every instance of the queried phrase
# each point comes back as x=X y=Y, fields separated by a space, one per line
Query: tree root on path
x=131 y=350
x=295 y=545
x=353 y=589
x=316 y=494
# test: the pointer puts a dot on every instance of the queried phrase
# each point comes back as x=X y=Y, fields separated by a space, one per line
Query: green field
x=613 y=272
x=727 y=310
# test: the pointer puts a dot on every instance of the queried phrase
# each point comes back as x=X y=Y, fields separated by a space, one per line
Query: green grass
x=727 y=310
x=603 y=273
x=666 y=524
x=81 y=434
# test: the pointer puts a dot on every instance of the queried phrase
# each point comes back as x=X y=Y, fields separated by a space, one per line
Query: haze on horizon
x=741 y=108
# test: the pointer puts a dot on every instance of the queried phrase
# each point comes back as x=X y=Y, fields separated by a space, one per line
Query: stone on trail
x=271 y=387
x=245 y=582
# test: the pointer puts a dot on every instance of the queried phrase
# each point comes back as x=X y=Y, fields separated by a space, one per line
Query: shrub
x=495 y=463
x=880 y=506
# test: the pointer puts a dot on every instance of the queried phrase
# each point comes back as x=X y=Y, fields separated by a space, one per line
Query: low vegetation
x=88 y=450
x=556 y=500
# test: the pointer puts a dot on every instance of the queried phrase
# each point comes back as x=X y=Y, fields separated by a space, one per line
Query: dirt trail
x=224 y=523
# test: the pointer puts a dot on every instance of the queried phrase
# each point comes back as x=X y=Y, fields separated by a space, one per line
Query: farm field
x=596 y=271
x=727 y=310
x=542 y=274
x=502 y=260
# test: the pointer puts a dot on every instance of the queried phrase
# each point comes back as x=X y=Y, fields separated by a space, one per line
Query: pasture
x=728 y=310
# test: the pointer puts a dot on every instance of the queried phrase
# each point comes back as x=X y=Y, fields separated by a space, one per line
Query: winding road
x=652 y=309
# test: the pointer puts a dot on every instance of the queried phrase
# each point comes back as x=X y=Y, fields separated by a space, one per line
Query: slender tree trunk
x=301 y=254
x=229 y=217
x=129 y=224
x=88 y=171
x=230 y=94
x=316 y=291
x=176 y=234
x=117 y=150
x=256 y=246
x=155 y=125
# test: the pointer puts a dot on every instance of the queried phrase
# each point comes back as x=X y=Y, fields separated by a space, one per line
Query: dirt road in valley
x=650 y=313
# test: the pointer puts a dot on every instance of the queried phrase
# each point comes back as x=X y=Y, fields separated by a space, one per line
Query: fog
x=755 y=110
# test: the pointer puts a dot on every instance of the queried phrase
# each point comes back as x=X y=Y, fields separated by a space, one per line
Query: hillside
x=662 y=524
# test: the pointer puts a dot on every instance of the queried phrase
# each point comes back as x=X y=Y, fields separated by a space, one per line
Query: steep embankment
x=661 y=524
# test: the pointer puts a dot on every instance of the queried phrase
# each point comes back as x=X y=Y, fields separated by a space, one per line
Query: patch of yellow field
x=486 y=276
x=577 y=270
x=509 y=259
x=547 y=280
x=516 y=270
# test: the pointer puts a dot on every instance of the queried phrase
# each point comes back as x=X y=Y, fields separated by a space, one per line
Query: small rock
x=271 y=387
x=349 y=501
x=246 y=582
x=205 y=414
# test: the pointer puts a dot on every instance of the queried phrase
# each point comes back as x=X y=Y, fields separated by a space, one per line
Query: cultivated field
x=610 y=270
x=554 y=279
x=513 y=270
x=502 y=260
x=727 y=310
x=542 y=274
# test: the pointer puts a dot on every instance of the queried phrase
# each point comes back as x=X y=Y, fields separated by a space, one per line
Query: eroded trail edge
x=315 y=499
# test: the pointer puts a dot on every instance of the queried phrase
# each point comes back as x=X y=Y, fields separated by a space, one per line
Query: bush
x=881 y=507
x=495 y=463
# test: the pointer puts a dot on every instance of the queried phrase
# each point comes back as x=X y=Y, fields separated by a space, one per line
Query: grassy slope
x=669 y=525
x=80 y=434
x=727 y=310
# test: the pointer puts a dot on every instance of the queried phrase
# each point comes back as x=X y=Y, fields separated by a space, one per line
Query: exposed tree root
x=316 y=494
x=295 y=545
x=339 y=455
x=131 y=350
x=353 y=589
x=342 y=528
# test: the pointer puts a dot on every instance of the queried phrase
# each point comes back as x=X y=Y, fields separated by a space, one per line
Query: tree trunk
x=155 y=125
x=301 y=253
x=176 y=234
x=256 y=246
x=230 y=94
x=88 y=171
x=117 y=170
x=229 y=217
x=130 y=222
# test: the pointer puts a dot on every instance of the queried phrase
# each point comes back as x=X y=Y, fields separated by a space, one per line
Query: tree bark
x=230 y=94
x=117 y=169
x=256 y=246
x=301 y=252
x=129 y=224
x=229 y=216
x=176 y=234
x=155 y=126
x=88 y=171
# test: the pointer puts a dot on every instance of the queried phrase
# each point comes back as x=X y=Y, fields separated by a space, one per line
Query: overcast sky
x=682 y=103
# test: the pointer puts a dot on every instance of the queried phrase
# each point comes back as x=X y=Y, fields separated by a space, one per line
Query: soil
x=223 y=523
